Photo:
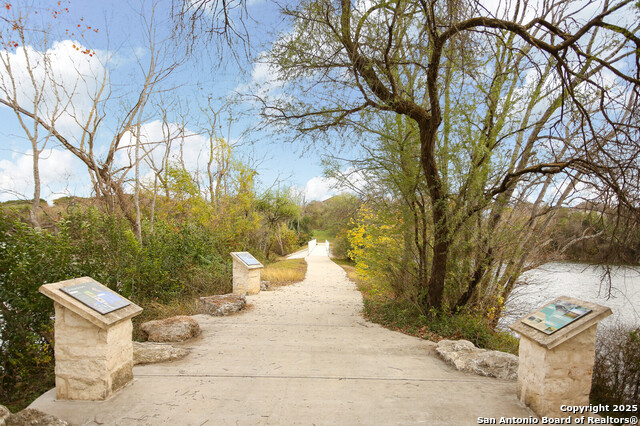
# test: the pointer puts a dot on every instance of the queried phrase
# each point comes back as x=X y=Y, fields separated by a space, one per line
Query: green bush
x=616 y=373
x=28 y=259
x=342 y=246
x=173 y=263
x=406 y=317
x=175 y=260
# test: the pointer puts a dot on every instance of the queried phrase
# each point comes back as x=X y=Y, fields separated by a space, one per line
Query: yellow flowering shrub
x=376 y=247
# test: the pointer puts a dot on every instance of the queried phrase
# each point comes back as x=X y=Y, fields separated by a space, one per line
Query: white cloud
x=320 y=188
x=266 y=81
x=60 y=174
x=350 y=180
x=67 y=79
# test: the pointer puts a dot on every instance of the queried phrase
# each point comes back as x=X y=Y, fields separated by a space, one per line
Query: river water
x=581 y=281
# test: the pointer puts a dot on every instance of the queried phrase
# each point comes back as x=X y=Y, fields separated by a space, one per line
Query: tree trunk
x=136 y=195
x=35 y=204
x=153 y=204
x=441 y=238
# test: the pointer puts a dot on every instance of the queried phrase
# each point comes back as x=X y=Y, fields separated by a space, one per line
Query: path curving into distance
x=300 y=354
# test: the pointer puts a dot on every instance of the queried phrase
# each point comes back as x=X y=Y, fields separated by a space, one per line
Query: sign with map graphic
x=555 y=316
x=96 y=296
x=247 y=258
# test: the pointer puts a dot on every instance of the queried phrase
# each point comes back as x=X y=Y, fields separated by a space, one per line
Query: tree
x=108 y=178
x=221 y=21
x=577 y=79
x=278 y=209
x=28 y=79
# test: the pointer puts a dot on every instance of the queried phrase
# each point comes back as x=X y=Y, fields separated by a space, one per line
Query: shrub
x=174 y=262
x=616 y=373
x=28 y=259
x=406 y=317
x=341 y=246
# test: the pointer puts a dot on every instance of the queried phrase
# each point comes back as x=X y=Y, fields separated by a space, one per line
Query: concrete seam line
x=247 y=376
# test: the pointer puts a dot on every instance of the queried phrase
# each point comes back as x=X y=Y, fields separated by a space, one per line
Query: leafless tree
x=107 y=176
x=222 y=22
x=26 y=79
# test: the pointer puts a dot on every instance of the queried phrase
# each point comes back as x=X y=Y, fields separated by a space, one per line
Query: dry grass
x=284 y=272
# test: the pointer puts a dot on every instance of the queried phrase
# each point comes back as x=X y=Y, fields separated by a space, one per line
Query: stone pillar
x=93 y=351
x=91 y=363
x=246 y=274
x=556 y=369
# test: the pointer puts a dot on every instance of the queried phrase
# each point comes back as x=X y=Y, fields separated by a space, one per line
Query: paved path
x=301 y=354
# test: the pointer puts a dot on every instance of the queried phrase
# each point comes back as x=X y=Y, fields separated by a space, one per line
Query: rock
x=4 y=414
x=265 y=285
x=31 y=417
x=174 y=329
x=464 y=356
x=222 y=305
x=151 y=353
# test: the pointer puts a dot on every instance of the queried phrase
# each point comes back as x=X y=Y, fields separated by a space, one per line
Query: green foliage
x=384 y=257
x=28 y=259
x=303 y=228
x=342 y=246
x=616 y=372
x=176 y=261
x=407 y=317
x=334 y=214
x=332 y=220
x=321 y=235
x=280 y=212
x=183 y=253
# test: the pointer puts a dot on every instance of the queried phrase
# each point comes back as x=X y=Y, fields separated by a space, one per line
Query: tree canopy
x=502 y=105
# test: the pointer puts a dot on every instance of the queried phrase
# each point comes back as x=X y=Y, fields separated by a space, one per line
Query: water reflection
x=582 y=282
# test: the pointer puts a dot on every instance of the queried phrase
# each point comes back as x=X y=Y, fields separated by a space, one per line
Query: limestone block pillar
x=246 y=273
x=93 y=351
x=556 y=369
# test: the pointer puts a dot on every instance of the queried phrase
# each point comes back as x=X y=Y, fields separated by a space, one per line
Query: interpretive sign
x=247 y=258
x=96 y=296
x=555 y=316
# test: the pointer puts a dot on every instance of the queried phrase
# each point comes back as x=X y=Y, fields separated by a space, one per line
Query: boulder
x=265 y=285
x=222 y=305
x=464 y=356
x=4 y=414
x=174 y=329
x=31 y=417
x=151 y=353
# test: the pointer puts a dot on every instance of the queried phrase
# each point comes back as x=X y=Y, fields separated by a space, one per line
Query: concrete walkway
x=301 y=354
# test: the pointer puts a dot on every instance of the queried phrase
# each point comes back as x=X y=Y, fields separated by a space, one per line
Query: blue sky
x=121 y=46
